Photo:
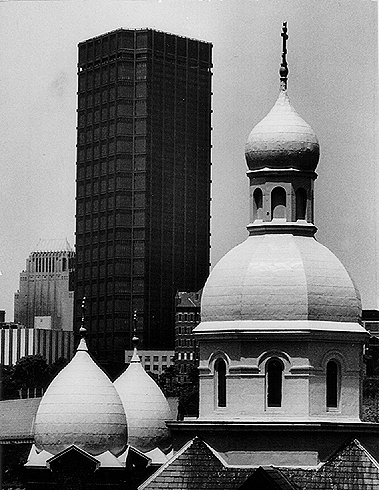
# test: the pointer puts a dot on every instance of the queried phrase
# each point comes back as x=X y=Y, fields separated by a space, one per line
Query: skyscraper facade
x=45 y=298
x=143 y=184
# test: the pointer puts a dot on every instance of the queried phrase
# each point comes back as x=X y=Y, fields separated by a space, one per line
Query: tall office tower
x=143 y=184
x=45 y=298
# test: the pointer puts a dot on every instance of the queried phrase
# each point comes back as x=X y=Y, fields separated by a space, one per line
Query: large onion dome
x=282 y=140
x=279 y=277
x=146 y=407
x=81 y=407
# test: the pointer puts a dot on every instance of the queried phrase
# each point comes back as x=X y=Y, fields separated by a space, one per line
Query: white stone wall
x=304 y=377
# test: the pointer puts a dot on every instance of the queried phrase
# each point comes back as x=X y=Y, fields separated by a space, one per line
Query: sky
x=332 y=57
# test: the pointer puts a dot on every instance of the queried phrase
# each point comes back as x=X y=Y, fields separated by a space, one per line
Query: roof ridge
x=367 y=453
x=170 y=461
x=217 y=455
x=345 y=447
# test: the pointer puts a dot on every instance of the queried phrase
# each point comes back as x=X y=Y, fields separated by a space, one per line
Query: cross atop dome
x=283 y=71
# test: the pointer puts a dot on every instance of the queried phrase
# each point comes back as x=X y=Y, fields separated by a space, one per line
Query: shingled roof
x=16 y=420
x=197 y=466
x=352 y=467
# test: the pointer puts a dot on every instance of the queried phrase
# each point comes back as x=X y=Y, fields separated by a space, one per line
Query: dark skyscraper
x=143 y=184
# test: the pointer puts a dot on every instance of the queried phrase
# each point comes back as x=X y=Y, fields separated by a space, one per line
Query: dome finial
x=283 y=71
x=135 y=339
x=82 y=330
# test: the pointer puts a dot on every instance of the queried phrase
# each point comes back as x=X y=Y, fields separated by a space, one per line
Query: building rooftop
x=53 y=245
x=141 y=29
x=21 y=410
x=197 y=465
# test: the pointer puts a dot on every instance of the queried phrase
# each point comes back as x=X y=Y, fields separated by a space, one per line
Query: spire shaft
x=283 y=71
x=135 y=339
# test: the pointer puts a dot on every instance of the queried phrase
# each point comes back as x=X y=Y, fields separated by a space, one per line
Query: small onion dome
x=146 y=407
x=282 y=140
x=279 y=277
x=81 y=407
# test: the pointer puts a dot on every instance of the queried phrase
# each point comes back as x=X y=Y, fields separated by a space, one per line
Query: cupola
x=282 y=153
x=81 y=408
x=146 y=407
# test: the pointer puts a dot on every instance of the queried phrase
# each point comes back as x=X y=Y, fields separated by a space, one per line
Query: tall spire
x=135 y=339
x=82 y=330
x=283 y=71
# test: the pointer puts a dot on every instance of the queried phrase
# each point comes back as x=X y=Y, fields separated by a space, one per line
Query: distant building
x=370 y=320
x=45 y=298
x=154 y=361
x=186 y=319
x=17 y=341
x=143 y=184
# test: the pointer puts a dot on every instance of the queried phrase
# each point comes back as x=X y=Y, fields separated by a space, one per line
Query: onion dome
x=146 y=407
x=282 y=140
x=81 y=407
x=279 y=277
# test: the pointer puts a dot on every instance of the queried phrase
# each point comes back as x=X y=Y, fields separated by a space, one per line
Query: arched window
x=278 y=203
x=332 y=384
x=220 y=371
x=274 y=375
x=301 y=204
x=257 y=204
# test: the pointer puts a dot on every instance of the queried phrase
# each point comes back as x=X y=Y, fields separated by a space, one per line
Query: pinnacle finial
x=83 y=330
x=135 y=339
x=283 y=71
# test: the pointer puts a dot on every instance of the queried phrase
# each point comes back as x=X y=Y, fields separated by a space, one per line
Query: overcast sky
x=332 y=56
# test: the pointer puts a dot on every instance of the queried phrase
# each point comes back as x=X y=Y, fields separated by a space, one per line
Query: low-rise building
x=154 y=361
x=17 y=341
x=187 y=317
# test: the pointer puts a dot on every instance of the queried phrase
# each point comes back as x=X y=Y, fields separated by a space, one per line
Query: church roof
x=146 y=407
x=81 y=407
x=352 y=467
x=279 y=277
x=197 y=465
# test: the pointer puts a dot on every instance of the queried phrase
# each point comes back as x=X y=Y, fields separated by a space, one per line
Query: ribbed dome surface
x=146 y=408
x=282 y=140
x=280 y=277
x=81 y=407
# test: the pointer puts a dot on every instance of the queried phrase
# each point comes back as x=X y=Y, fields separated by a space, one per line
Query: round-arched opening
x=220 y=372
x=257 y=204
x=332 y=384
x=301 y=204
x=274 y=377
x=278 y=203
